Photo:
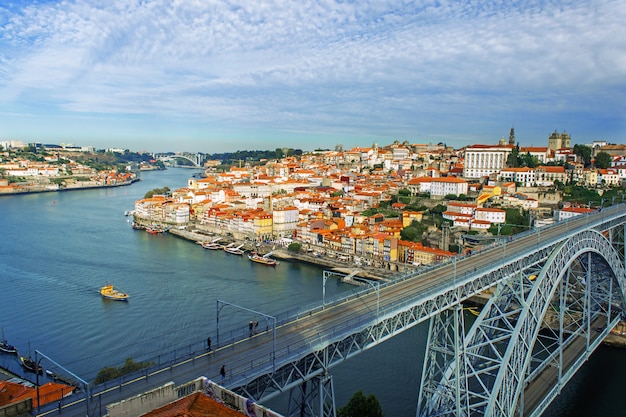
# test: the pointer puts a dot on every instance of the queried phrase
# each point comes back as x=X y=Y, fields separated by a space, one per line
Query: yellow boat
x=111 y=293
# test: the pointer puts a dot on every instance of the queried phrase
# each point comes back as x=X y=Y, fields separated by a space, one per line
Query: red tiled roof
x=194 y=405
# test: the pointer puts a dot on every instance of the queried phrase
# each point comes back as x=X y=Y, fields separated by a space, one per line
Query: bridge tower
x=541 y=324
x=313 y=398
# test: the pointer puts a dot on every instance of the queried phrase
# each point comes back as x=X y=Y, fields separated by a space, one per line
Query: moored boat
x=30 y=365
x=213 y=245
x=264 y=259
x=6 y=347
x=111 y=293
x=235 y=250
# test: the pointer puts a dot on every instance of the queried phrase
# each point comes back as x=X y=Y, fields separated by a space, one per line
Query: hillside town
x=356 y=205
x=393 y=206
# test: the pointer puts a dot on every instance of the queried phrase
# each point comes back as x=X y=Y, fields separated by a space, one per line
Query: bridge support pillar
x=313 y=398
x=444 y=346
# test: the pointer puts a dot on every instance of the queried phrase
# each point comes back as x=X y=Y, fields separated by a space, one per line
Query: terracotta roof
x=194 y=405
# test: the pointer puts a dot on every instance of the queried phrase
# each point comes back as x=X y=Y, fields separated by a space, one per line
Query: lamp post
x=376 y=287
x=221 y=304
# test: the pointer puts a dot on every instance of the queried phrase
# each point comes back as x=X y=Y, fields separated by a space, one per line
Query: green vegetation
x=361 y=406
x=157 y=191
x=110 y=372
x=413 y=232
x=294 y=247
x=603 y=160
x=251 y=157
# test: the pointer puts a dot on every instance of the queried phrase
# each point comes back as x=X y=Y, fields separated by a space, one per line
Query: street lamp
x=376 y=287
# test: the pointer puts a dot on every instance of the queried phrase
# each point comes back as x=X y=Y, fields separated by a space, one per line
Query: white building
x=484 y=160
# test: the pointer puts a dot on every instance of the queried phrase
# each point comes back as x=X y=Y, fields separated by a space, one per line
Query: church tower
x=512 y=137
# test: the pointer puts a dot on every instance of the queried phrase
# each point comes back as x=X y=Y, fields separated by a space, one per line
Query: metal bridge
x=557 y=292
x=197 y=159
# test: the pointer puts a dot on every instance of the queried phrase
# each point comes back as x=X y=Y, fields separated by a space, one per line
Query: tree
x=513 y=160
x=584 y=153
x=603 y=160
x=361 y=406
x=294 y=247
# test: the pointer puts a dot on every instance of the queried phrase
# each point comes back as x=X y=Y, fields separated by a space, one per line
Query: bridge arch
x=492 y=368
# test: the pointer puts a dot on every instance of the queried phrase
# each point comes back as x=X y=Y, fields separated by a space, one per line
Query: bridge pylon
x=541 y=324
x=313 y=398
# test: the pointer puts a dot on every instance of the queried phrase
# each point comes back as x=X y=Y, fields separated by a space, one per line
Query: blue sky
x=218 y=76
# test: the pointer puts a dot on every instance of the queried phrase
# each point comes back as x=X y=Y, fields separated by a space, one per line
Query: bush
x=294 y=247
x=110 y=372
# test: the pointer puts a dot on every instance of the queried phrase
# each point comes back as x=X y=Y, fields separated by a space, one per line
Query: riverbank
x=283 y=254
x=8 y=191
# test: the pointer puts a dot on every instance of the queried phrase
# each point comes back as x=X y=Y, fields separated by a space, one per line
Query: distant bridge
x=197 y=159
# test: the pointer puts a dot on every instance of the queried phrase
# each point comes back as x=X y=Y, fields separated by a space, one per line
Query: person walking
x=223 y=373
x=208 y=343
x=250 y=325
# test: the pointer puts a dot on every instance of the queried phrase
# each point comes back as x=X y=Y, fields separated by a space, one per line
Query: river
x=59 y=248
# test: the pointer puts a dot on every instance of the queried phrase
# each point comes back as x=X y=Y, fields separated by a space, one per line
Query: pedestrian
x=250 y=327
x=223 y=373
x=208 y=343
x=256 y=324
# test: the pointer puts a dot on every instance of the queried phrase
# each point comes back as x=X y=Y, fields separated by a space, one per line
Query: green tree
x=603 y=160
x=584 y=153
x=361 y=406
x=514 y=160
x=157 y=191
x=294 y=247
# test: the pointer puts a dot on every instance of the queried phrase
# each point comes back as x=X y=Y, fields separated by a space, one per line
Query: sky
x=219 y=76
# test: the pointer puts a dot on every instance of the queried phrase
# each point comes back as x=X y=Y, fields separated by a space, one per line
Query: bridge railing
x=252 y=366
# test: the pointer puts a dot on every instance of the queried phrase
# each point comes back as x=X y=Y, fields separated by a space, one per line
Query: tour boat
x=234 y=250
x=111 y=293
x=30 y=365
x=265 y=259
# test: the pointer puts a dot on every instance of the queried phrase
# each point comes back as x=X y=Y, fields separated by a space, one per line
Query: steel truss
x=575 y=299
x=292 y=371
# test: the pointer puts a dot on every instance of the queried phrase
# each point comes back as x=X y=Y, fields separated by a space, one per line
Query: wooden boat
x=234 y=250
x=265 y=259
x=6 y=347
x=111 y=293
x=30 y=365
x=213 y=245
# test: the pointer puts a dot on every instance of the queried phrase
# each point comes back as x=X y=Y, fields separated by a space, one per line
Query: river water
x=58 y=249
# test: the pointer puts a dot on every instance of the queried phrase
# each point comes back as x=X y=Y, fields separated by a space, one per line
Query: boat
x=6 y=347
x=213 y=245
x=235 y=250
x=152 y=231
x=262 y=259
x=111 y=293
x=30 y=365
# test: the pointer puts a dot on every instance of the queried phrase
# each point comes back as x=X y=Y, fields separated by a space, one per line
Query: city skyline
x=219 y=76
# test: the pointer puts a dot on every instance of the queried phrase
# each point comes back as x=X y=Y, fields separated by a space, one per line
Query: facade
x=484 y=160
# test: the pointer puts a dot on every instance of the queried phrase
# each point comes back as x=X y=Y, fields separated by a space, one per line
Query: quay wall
x=79 y=186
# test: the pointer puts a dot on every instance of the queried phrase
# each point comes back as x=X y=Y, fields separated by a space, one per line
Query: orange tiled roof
x=194 y=405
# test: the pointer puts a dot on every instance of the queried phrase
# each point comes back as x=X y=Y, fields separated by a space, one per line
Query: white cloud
x=296 y=64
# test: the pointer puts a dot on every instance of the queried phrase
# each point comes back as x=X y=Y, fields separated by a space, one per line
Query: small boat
x=6 y=347
x=30 y=365
x=213 y=245
x=152 y=231
x=111 y=293
x=234 y=250
x=265 y=259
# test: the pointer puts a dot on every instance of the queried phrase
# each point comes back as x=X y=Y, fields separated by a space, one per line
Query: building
x=484 y=160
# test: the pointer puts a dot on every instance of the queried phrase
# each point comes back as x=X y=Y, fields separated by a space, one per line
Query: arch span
x=538 y=321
